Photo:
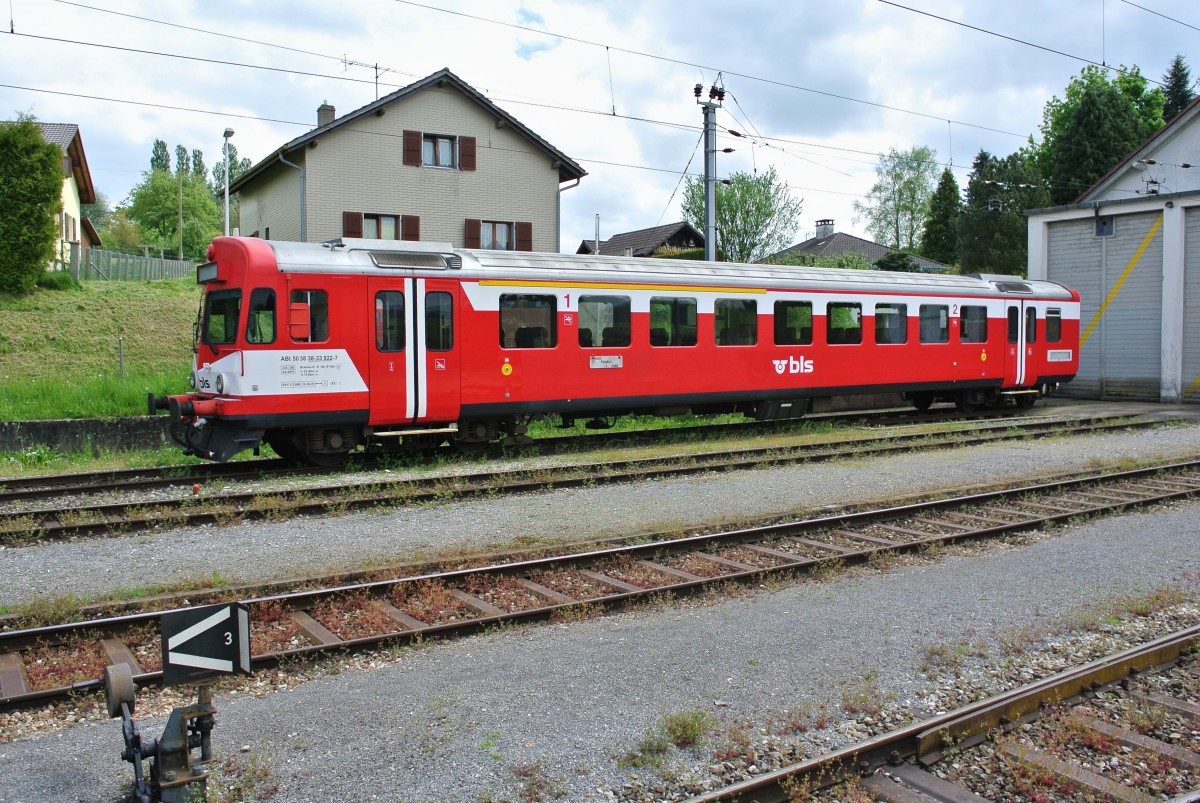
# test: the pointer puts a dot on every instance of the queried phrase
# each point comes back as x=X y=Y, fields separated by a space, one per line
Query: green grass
x=62 y=352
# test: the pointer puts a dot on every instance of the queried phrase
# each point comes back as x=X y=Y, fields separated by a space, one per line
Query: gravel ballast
x=485 y=717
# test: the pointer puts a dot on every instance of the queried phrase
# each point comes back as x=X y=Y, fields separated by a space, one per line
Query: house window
x=381 y=227
x=437 y=151
x=496 y=236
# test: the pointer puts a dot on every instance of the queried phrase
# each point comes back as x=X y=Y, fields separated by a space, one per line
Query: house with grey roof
x=831 y=243
x=644 y=242
x=73 y=226
x=435 y=161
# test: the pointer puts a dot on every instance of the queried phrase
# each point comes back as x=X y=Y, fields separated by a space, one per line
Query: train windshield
x=219 y=322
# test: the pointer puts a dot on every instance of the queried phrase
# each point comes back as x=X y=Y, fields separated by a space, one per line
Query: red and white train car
x=320 y=348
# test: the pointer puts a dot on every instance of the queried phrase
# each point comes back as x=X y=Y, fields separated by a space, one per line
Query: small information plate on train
x=607 y=361
x=200 y=643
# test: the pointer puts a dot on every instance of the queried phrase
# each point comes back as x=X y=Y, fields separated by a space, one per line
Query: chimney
x=325 y=114
x=825 y=227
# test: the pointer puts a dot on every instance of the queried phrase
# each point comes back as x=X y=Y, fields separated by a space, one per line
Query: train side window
x=736 y=322
x=974 y=324
x=843 y=323
x=309 y=307
x=1053 y=325
x=1014 y=324
x=1030 y=325
x=672 y=321
x=260 y=321
x=604 y=321
x=221 y=310
x=389 y=320
x=935 y=323
x=891 y=323
x=439 y=322
x=793 y=323
x=528 y=321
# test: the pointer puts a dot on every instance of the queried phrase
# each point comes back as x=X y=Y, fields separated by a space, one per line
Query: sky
x=818 y=88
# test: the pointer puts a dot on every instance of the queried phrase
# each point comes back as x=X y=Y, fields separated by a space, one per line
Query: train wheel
x=921 y=401
x=284 y=444
x=1025 y=400
x=326 y=459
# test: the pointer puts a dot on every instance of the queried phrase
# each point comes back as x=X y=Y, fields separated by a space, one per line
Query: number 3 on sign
x=228 y=637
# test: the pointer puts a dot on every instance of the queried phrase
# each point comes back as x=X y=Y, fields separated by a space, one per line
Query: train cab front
x=211 y=420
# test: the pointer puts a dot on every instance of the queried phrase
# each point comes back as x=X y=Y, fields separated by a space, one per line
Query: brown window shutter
x=524 y=236
x=352 y=224
x=466 y=153
x=410 y=227
x=412 y=148
x=473 y=233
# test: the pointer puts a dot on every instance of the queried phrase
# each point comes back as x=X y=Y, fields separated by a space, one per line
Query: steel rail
x=14 y=489
x=962 y=727
x=18 y=527
x=1137 y=487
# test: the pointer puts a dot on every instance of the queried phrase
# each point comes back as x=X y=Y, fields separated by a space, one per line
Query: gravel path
x=484 y=718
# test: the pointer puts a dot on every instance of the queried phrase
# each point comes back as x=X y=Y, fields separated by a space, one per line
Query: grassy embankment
x=60 y=349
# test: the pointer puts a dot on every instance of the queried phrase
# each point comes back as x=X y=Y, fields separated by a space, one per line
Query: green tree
x=992 y=231
x=160 y=157
x=940 y=238
x=897 y=261
x=183 y=162
x=31 y=182
x=898 y=203
x=1178 y=82
x=756 y=214
x=1120 y=112
x=99 y=212
x=155 y=203
x=198 y=169
x=849 y=260
x=236 y=168
x=120 y=233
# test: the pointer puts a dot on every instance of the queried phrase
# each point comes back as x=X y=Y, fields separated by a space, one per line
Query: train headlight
x=220 y=383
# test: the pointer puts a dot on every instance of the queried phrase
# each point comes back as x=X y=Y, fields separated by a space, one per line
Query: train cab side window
x=843 y=324
x=935 y=323
x=891 y=323
x=735 y=322
x=308 y=316
x=221 y=310
x=439 y=322
x=1014 y=324
x=974 y=324
x=389 y=320
x=1030 y=325
x=528 y=321
x=260 y=322
x=604 y=321
x=672 y=321
x=1053 y=325
x=793 y=323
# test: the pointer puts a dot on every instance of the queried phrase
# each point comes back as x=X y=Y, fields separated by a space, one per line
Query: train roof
x=385 y=257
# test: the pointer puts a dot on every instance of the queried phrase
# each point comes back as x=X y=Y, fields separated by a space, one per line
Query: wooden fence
x=96 y=265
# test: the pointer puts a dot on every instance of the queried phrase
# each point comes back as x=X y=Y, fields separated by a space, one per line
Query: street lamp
x=228 y=134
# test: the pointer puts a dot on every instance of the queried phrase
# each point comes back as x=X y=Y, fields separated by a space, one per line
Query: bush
x=57 y=280
x=31 y=180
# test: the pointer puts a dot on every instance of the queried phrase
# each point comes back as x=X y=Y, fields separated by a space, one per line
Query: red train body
x=320 y=348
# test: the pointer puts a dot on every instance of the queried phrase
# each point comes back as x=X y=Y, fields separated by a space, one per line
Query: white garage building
x=1131 y=246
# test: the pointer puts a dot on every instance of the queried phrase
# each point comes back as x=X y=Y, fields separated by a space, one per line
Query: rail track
x=15 y=490
x=44 y=665
x=78 y=517
x=1118 y=751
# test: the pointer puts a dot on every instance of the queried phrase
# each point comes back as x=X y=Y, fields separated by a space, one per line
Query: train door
x=1021 y=323
x=414 y=362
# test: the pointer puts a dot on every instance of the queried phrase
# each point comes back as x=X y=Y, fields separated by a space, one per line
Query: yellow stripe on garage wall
x=1116 y=288
x=1193 y=387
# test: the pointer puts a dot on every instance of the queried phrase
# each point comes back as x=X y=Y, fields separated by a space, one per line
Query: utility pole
x=716 y=95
